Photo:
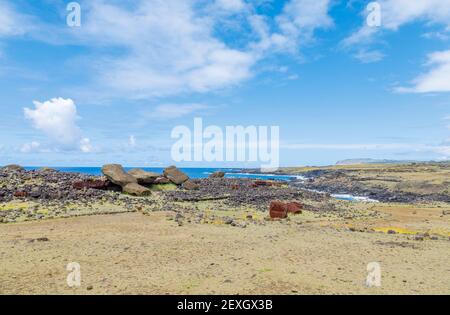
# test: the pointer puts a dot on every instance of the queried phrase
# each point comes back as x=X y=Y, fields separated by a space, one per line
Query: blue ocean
x=191 y=172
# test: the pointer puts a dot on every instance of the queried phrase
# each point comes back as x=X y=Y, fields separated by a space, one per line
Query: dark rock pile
x=50 y=185
x=238 y=192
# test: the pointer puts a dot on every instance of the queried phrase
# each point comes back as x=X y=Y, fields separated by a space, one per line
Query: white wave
x=353 y=198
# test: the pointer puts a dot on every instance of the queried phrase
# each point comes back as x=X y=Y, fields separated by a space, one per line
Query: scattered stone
x=229 y=221
x=116 y=174
x=144 y=177
x=35 y=193
x=175 y=175
x=135 y=189
x=20 y=194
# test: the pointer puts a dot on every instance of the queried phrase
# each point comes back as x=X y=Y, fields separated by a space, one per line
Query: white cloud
x=169 y=47
x=295 y=26
x=396 y=13
x=158 y=48
x=303 y=17
x=57 y=118
x=437 y=79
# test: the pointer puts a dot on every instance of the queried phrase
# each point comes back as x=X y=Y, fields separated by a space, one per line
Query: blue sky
x=112 y=89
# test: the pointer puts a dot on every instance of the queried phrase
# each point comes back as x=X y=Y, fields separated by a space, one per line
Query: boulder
x=101 y=184
x=217 y=175
x=13 y=167
x=136 y=190
x=294 y=207
x=143 y=177
x=190 y=185
x=116 y=174
x=278 y=210
x=281 y=210
x=175 y=175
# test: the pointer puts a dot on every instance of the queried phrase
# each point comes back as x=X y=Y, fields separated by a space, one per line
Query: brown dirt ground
x=135 y=254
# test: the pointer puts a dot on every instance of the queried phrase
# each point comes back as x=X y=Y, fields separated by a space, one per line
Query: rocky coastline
x=47 y=193
x=341 y=182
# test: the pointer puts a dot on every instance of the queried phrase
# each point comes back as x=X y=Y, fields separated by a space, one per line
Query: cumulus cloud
x=57 y=118
x=437 y=79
